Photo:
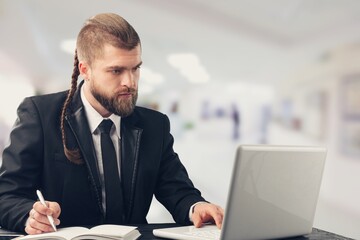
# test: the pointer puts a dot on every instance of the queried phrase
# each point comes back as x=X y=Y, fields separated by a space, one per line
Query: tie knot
x=105 y=126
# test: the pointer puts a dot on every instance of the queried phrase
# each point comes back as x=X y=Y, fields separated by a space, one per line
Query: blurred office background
x=225 y=72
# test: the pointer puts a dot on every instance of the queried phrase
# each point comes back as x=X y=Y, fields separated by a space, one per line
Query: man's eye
x=136 y=68
x=116 y=71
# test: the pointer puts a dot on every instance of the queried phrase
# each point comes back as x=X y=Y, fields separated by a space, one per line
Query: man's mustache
x=127 y=90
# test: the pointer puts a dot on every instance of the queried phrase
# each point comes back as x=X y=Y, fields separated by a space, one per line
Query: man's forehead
x=112 y=48
x=114 y=55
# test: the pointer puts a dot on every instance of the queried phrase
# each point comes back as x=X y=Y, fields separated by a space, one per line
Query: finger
x=55 y=207
x=31 y=213
x=199 y=214
x=218 y=218
x=30 y=230
x=196 y=218
x=40 y=208
x=56 y=221
x=41 y=218
x=222 y=210
x=42 y=227
x=217 y=213
x=211 y=213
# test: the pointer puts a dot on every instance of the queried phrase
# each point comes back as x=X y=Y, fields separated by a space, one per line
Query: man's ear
x=84 y=70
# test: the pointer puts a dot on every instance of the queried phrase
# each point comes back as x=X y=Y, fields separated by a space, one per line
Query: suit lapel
x=130 y=143
x=76 y=118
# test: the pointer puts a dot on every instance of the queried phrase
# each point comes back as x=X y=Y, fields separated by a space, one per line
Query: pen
x=42 y=200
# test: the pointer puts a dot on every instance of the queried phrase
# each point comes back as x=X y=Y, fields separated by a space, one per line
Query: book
x=101 y=232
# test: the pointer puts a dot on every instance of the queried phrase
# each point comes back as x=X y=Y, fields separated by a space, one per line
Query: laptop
x=273 y=194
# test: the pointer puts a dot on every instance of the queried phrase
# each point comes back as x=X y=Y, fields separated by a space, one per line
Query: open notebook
x=273 y=194
x=101 y=232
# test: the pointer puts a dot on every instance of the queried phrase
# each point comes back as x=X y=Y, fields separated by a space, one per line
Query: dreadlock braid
x=73 y=155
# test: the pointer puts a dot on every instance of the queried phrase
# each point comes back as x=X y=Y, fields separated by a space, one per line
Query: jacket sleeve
x=174 y=188
x=21 y=168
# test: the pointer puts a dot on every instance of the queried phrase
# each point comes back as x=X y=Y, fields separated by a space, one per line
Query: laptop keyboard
x=205 y=233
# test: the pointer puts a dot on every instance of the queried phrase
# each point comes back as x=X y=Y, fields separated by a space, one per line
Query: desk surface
x=146 y=233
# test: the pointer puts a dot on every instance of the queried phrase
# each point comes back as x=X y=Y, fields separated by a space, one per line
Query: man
x=63 y=144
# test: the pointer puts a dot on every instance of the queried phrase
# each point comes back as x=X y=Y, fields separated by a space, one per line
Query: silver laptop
x=273 y=194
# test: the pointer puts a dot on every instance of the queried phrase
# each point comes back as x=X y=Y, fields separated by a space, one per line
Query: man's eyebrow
x=139 y=64
x=116 y=67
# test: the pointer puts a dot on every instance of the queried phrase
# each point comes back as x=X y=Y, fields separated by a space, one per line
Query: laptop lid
x=273 y=194
x=273 y=191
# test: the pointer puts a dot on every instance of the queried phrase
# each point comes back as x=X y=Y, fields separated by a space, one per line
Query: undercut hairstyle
x=105 y=28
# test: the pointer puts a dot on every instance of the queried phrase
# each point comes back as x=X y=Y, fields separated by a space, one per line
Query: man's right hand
x=38 y=222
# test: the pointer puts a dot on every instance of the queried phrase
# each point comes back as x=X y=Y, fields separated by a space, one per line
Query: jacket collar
x=76 y=119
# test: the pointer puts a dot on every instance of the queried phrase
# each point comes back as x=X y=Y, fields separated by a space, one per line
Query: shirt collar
x=94 y=118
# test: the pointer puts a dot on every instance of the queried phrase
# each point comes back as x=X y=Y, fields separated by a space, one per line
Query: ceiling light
x=151 y=77
x=145 y=89
x=190 y=67
x=68 y=46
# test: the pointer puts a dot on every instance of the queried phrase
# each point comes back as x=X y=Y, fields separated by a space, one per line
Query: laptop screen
x=273 y=191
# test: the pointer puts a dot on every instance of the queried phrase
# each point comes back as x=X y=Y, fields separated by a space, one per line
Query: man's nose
x=128 y=79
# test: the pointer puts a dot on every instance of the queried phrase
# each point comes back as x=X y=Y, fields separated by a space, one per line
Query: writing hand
x=38 y=222
x=207 y=212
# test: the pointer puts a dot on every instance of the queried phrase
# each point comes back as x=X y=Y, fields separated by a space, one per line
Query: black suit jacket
x=35 y=159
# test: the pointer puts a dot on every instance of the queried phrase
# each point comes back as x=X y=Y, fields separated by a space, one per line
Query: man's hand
x=207 y=212
x=38 y=222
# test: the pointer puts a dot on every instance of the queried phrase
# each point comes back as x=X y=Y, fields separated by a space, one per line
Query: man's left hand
x=207 y=212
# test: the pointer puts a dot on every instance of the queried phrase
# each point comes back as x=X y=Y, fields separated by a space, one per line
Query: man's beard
x=123 y=108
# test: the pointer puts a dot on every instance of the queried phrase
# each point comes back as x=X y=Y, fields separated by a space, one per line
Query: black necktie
x=113 y=189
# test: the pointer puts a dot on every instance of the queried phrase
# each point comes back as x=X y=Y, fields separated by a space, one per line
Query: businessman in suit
x=96 y=156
